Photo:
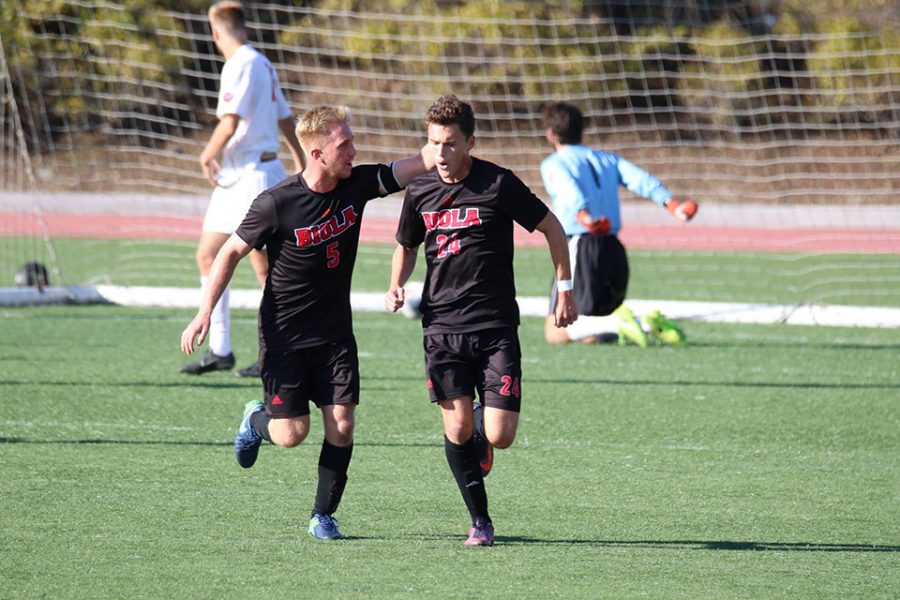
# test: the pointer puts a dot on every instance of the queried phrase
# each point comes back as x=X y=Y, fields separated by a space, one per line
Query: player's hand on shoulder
x=682 y=209
x=428 y=157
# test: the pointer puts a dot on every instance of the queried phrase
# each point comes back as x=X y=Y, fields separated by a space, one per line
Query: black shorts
x=488 y=361
x=599 y=273
x=326 y=374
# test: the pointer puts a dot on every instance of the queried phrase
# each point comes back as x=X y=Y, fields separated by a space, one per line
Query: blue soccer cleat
x=247 y=441
x=324 y=527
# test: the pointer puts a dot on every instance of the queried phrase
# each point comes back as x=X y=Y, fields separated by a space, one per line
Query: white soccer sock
x=587 y=326
x=219 y=323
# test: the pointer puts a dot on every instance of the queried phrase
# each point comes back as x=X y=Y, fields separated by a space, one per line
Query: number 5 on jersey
x=334 y=255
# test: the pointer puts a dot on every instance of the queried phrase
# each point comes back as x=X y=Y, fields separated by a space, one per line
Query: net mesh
x=773 y=117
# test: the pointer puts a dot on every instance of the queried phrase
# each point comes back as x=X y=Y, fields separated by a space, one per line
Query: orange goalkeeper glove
x=683 y=210
x=594 y=226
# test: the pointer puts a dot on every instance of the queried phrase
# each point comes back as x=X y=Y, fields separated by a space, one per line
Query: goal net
x=781 y=119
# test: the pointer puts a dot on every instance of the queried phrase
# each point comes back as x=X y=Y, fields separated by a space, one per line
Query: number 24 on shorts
x=510 y=386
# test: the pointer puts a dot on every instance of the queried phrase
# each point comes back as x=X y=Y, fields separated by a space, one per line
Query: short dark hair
x=564 y=120
x=450 y=110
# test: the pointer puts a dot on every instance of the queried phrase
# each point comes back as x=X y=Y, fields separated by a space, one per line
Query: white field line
x=530 y=306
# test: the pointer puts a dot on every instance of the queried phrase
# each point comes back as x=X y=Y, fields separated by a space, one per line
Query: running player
x=464 y=213
x=584 y=186
x=309 y=225
x=251 y=111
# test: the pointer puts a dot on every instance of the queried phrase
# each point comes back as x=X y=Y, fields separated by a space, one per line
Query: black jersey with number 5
x=311 y=240
x=467 y=228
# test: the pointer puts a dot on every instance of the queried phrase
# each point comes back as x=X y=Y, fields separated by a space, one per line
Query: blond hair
x=316 y=121
x=229 y=16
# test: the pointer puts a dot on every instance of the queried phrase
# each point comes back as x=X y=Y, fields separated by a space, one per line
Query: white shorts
x=237 y=190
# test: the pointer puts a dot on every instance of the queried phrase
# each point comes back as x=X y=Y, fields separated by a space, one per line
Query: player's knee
x=204 y=260
x=458 y=433
x=290 y=439
x=288 y=433
x=502 y=440
x=343 y=433
x=339 y=427
x=554 y=334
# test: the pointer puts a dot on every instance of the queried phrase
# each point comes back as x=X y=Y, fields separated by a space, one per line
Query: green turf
x=759 y=462
x=868 y=280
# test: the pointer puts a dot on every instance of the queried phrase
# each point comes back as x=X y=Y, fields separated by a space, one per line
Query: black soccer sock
x=463 y=461
x=259 y=422
x=333 y=464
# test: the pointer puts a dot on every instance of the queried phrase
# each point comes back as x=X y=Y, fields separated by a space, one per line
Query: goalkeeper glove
x=594 y=226
x=683 y=210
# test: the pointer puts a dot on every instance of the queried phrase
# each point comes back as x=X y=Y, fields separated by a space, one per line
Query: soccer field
x=759 y=462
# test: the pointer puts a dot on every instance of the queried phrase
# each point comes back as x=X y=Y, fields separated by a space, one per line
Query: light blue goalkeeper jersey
x=578 y=177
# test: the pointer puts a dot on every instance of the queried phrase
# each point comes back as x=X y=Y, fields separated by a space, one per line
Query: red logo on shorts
x=429 y=385
x=277 y=400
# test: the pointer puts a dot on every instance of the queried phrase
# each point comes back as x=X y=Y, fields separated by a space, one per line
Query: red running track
x=698 y=238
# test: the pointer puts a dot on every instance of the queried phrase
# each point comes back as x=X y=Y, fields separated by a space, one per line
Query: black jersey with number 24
x=311 y=240
x=467 y=228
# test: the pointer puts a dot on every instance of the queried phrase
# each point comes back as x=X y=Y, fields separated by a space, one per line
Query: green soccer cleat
x=629 y=329
x=664 y=330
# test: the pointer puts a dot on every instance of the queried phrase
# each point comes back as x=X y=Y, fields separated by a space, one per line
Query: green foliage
x=69 y=54
x=512 y=54
x=854 y=66
x=722 y=73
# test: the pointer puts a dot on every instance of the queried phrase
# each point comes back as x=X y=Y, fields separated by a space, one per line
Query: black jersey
x=311 y=240
x=467 y=228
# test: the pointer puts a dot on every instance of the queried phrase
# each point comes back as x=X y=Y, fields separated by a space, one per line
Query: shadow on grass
x=709 y=545
x=236 y=384
x=115 y=442
x=737 y=384
x=99 y=442
x=206 y=382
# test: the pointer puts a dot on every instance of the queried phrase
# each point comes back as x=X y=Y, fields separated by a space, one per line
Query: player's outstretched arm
x=682 y=209
x=566 y=310
x=220 y=275
x=407 y=169
x=287 y=130
x=402 y=264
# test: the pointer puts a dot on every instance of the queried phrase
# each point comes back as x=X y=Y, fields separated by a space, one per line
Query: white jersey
x=250 y=90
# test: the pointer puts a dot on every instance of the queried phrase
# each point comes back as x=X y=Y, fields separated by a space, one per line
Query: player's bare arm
x=407 y=169
x=286 y=126
x=221 y=134
x=219 y=277
x=566 y=310
x=403 y=262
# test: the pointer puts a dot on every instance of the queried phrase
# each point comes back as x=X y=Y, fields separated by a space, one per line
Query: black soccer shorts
x=326 y=374
x=487 y=361
x=599 y=274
